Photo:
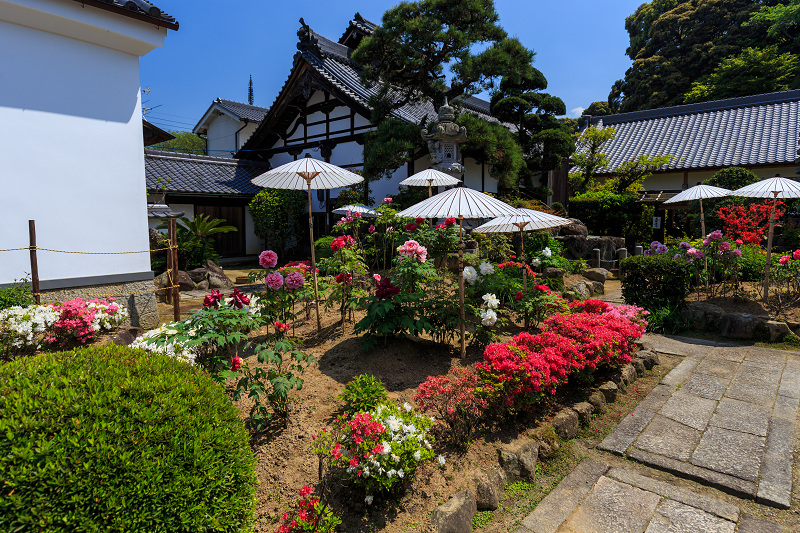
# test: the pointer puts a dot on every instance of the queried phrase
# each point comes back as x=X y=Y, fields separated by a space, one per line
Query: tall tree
x=250 y=91
x=589 y=157
x=674 y=43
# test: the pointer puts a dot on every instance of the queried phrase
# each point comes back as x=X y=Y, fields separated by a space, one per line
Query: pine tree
x=250 y=91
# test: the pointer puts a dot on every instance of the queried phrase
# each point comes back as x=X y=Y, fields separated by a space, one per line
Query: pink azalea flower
x=387 y=200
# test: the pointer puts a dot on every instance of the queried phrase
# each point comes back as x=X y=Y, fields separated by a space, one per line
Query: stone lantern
x=443 y=139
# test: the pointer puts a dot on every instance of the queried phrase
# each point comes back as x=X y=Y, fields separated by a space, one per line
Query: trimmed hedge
x=115 y=439
x=654 y=281
x=618 y=215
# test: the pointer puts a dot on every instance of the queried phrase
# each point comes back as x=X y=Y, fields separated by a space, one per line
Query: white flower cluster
x=488 y=317
x=470 y=275
x=486 y=269
x=172 y=347
x=24 y=327
x=491 y=300
x=105 y=320
x=547 y=253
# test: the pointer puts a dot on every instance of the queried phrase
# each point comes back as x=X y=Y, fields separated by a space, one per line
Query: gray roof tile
x=180 y=173
x=746 y=131
x=141 y=9
x=250 y=112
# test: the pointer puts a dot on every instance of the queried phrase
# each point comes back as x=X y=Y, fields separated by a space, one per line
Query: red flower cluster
x=236 y=363
x=512 y=264
x=212 y=300
x=344 y=241
x=344 y=278
x=280 y=327
x=450 y=221
x=411 y=227
x=419 y=220
x=749 y=222
x=300 y=266
x=310 y=513
x=440 y=226
x=386 y=289
x=239 y=299
x=589 y=306
x=453 y=397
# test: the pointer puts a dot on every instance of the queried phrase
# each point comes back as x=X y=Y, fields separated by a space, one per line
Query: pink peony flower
x=356 y=215
x=376 y=277
x=274 y=280
x=725 y=246
x=387 y=200
x=294 y=280
x=268 y=259
x=785 y=259
x=440 y=226
x=796 y=255
x=739 y=241
x=519 y=296
x=280 y=327
x=371 y=229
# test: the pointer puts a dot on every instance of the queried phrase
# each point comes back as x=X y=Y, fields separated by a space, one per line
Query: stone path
x=725 y=417
x=597 y=498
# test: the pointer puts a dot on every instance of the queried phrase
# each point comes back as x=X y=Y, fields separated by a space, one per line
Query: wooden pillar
x=461 y=283
x=173 y=253
x=34 y=261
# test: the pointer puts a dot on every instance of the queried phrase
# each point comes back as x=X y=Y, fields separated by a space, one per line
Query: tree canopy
x=184 y=142
x=675 y=44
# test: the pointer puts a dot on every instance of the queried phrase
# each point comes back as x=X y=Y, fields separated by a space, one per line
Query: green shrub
x=668 y=320
x=654 y=281
x=115 y=439
x=752 y=262
x=617 y=215
x=18 y=293
x=322 y=247
x=363 y=394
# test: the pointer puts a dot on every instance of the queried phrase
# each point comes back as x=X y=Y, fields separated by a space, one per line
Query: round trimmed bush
x=114 y=439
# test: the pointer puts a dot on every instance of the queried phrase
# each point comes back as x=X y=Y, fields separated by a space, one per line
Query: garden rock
x=598 y=401
x=777 y=330
x=202 y=286
x=123 y=338
x=738 y=325
x=597 y=287
x=519 y=460
x=455 y=515
x=608 y=246
x=582 y=290
x=552 y=272
x=629 y=374
x=185 y=283
x=584 y=410
x=576 y=228
x=198 y=274
x=609 y=389
x=489 y=486
x=648 y=357
x=704 y=315
x=596 y=274
x=216 y=276
x=566 y=423
x=577 y=246
x=638 y=364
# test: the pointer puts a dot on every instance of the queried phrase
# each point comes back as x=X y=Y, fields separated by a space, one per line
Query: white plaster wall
x=252 y=244
x=70 y=155
x=221 y=136
x=247 y=132
x=340 y=112
x=674 y=180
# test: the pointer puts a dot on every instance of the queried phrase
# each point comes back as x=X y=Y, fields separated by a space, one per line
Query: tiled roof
x=250 y=112
x=139 y=9
x=179 y=173
x=746 y=131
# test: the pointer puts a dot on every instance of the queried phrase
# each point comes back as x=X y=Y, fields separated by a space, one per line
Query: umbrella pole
x=313 y=257
x=430 y=192
x=524 y=271
x=703 y=236
x=461 y=280
x=769 y=245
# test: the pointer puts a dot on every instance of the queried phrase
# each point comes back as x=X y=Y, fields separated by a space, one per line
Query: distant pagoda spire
x=250 y=91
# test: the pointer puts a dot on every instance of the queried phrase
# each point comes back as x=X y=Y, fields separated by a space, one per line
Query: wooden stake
x=34 y=262
x=173 y=252
x=461 y=282
x=769 y=245
x=313 y=255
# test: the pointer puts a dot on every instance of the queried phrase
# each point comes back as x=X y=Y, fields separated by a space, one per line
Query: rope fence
x=172 y=292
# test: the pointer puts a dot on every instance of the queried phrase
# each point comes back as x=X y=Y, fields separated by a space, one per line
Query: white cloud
x=575 y=113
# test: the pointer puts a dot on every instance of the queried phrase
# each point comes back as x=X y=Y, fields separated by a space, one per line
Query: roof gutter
x=236 y=136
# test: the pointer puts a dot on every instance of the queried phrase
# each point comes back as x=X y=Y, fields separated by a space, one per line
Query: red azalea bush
x=310 y=514
x=81 y=319
x=589 y=306
x=454 y=398
x=749 y=222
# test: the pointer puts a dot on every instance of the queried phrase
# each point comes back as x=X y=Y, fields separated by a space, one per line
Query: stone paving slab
x=595 y=498
x=725 y=416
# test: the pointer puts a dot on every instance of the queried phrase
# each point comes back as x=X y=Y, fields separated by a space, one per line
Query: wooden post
x=173 y=252
x=34 y=262
x=769 y=245
x=461 y=282
x=524 y=268
x=308 y=176
x=168 y=292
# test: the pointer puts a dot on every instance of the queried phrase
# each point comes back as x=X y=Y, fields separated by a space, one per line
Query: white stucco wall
x=674 y=180
x=71 y=140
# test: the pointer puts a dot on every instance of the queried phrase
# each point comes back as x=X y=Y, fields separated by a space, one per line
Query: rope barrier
x=98 y=295
x=98 y=253
x=15 y=249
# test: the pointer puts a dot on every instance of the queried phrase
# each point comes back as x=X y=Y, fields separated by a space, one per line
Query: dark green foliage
x=250 y=91
x=195 y=239
x=752 y=262
x=491 y=143
x=363 y=394
x=113 y=439
x=184 y=142
x=278 y=216
x=655 y=281
x=17 y=294
x=388 y=147
x=322 y=247
x=616 y=215
x=732 y=178
x=352 y=195
x=494 y=247
x=668 y=320
x=675 y=43
x=408 y=196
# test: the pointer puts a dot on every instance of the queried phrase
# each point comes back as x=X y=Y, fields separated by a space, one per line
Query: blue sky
x=579 y=44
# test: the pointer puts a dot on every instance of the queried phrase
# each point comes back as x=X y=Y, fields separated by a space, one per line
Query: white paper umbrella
x=698 y=192
x=527 y=220
x=775 y=187
x=308 y=173
x=356 y=208
x=461 y=203
x=430 y=177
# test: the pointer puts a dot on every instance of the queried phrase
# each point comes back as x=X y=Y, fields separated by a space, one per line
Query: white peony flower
x=546 y=252
x=368 y=500
x=488 y=317
x=535 y=262
x=470 y=275
x=491 y=301
x=486 y=269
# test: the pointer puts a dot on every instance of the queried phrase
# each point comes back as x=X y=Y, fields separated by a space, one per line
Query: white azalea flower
x=441 y=460
x=470 y=275
x=400 y=473
x=491 y=301
x=407 y=406
x=417 y=455
x=486 y=269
